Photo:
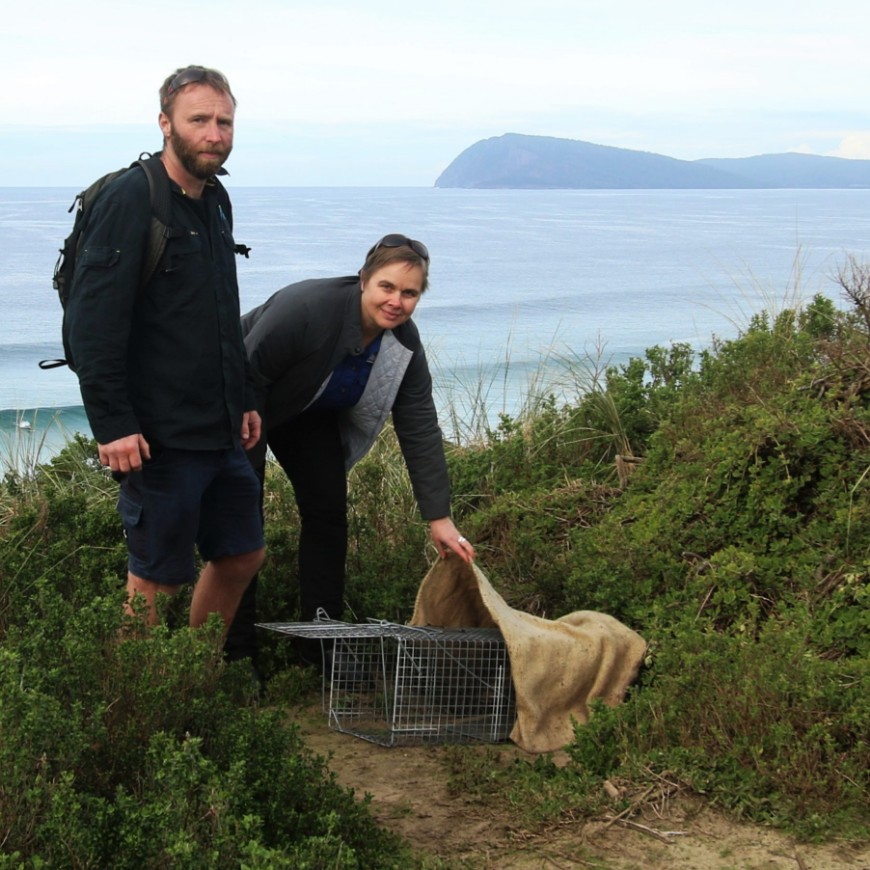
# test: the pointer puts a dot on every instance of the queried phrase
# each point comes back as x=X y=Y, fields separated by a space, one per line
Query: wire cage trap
x=399 y=685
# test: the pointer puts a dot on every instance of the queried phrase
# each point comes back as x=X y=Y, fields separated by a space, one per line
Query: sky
x=382 y=93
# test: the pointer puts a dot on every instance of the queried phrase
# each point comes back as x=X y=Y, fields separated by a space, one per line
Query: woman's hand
x=446 y=537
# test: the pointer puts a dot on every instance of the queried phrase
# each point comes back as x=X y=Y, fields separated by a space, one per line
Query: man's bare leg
x=221 y=584
x=149 y=590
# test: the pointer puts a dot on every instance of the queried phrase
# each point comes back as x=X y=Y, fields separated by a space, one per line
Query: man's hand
x=126 y=454
x=251 y=426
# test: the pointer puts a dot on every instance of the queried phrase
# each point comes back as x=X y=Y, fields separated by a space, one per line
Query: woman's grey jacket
x=296 y=339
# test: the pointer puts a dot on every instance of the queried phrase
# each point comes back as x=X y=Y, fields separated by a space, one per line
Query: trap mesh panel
x=399 y=685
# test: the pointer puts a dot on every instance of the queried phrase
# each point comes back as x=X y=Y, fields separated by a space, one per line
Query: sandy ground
x=410 y=796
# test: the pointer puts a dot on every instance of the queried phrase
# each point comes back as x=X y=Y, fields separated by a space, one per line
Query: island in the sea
x=515 y=160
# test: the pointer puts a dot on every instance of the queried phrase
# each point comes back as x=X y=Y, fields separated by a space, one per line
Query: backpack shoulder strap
x=158 y=185
x=160 y=231
x=226 y=206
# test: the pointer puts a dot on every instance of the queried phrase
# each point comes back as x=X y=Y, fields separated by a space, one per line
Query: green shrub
x=738 y=548
x=760 y=722
x=124 y=746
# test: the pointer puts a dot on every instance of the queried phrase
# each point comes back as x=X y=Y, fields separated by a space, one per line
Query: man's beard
x=193 y=163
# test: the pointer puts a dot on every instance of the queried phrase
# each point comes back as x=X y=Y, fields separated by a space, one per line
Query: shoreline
x=32 y=436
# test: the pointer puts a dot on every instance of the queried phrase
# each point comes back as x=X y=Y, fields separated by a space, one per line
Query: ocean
x=523 y=282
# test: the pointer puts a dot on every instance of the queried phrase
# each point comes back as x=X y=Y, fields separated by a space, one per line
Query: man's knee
x=257 y=557
x=243 y=564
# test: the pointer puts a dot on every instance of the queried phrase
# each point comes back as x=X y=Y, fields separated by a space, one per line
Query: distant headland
x=545 y=162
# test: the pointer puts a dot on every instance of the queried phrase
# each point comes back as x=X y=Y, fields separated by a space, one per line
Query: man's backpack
x=159 y=233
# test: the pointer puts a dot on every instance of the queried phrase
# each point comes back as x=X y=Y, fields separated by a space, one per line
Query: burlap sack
x=558 y=666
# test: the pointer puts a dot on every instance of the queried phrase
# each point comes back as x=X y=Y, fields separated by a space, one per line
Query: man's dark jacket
x=165 y=360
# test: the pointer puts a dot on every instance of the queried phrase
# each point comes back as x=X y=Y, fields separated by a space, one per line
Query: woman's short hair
x=190 y=75
x=396 y=248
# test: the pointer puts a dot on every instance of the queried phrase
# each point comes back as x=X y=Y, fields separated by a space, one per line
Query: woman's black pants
x=309 y=450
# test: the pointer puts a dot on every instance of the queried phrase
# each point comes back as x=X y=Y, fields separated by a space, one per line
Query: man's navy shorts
x=209 y=498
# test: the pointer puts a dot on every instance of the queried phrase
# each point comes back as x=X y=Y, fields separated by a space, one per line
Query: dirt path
x=410 y=796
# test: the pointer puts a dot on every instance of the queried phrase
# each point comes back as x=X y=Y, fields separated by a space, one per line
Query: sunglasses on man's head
x=189 y=77
x=397 y=240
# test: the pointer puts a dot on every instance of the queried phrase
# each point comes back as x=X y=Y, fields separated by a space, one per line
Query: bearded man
x=162 y=368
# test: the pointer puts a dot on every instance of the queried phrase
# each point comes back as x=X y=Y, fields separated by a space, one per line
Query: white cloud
x=677 y=77
x=854 y=146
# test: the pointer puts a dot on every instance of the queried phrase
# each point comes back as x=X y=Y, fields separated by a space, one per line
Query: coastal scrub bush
x=643 y=392
x=739 y=548
x=524 y=539
x=142 y=752
x=759 y=722
x=62 y=538
x=124 y=746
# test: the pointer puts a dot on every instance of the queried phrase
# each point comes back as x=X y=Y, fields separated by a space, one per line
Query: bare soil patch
x=410 y=796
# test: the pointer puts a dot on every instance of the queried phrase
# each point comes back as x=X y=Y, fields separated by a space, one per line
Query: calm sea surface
x=519 y=279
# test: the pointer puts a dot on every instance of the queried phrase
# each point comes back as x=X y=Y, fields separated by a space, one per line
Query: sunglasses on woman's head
x=397 y=240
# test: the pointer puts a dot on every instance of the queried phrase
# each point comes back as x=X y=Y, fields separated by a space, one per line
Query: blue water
x=520 y=279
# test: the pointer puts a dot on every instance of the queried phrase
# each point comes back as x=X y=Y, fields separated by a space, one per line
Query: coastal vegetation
x=716 y=502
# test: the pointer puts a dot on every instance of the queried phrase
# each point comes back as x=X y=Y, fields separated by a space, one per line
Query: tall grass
x=23 y=446
x=757 y=298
